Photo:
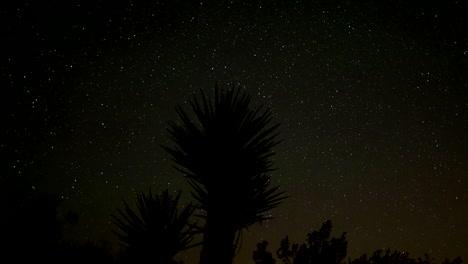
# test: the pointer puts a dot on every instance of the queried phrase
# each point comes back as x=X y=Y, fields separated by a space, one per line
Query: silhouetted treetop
x=396 y=257
x=318 y=249
x=229 y=146
x=323 y=250
x=261 y=255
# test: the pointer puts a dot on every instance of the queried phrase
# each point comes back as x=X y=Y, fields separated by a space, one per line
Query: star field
x=372 y=101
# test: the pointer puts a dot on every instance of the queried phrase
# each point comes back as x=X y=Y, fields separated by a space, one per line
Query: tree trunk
x=218 y=244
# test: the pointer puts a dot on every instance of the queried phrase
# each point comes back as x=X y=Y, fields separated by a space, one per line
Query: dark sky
x=372 y=99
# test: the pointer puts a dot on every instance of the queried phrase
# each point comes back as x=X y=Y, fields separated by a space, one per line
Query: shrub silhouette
x=397 y=257
x=225 y=155
x=261 y=255
x=321 y=249
x=318 y=249
x=157 y=231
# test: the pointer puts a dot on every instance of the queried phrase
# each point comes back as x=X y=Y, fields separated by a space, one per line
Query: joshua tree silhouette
x=225 y=155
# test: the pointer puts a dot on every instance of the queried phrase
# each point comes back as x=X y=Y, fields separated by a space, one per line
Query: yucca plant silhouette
x=225 y=155
x=157 y=231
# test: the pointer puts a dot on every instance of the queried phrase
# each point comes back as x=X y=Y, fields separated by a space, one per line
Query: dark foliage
x=318 y=249
x=397 y=257
x=261 y=255
x=225 y=155
x=321 y=249
x=156 y=231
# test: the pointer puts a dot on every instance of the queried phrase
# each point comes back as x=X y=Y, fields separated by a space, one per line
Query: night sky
x=372 y=99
